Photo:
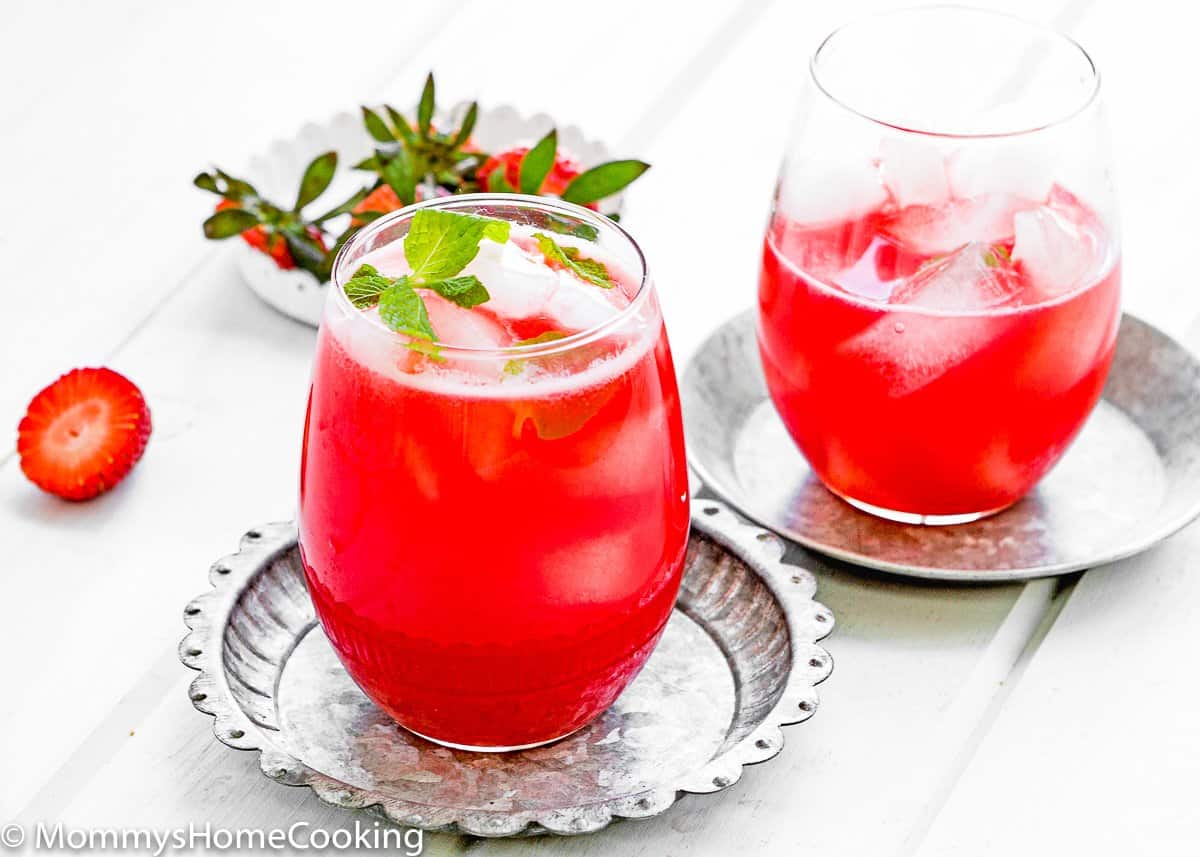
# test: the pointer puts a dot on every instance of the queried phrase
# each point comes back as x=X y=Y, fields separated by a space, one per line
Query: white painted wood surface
x=994 y=720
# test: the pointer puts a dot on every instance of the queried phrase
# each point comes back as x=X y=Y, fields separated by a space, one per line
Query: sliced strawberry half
x=81 y=435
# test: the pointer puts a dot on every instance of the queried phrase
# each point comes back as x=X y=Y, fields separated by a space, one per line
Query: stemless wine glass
x=493 y=533
x=939 y=295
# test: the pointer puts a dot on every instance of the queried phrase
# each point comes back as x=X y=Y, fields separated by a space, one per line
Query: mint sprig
x=588 y=270
x=438 y=246
x=403 y=310
x=465 y=291
x=365 y=287
x=439 y=243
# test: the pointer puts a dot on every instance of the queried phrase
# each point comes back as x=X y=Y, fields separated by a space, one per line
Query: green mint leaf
x=229 y=222
x=496 y=230
x=538 y=162
x=371 y=164
x=429 y=349
x=588 y=270
x=425 y=108
x=365 y=287
x=467 y=126
x=996 y=255
x=603 y=180
x=497 y=181
x=548 y=336
x=376 y=127
x=465 y=291
x=440 y=243
x=399 y=174
x=517 y=366
x=317 y=176
x=401 y=309
x=563 y=226
x=404 y=131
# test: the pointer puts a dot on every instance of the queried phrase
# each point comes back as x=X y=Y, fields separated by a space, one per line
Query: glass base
x=923 y=520
x=473 y=749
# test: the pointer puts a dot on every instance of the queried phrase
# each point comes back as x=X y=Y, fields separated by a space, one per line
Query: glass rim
x=1033 y=26
x=520 y=200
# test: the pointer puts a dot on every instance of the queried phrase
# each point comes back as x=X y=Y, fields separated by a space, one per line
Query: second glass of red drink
x=939 y=296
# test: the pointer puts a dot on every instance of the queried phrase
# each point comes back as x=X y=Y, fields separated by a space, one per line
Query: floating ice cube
x=465 y=328
x=911 y=349
x=577 y=306
x=814 y=193
x=519 y=282
x=1054 y=252
x=388 y=260
x=1006 y=168
x=977 y=277
x=914 y=172
x=933 y=230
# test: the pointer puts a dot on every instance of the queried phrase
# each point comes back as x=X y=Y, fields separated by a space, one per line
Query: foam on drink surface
x=529 y=298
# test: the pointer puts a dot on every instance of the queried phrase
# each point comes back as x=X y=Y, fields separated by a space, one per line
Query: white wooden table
x=1057 y=717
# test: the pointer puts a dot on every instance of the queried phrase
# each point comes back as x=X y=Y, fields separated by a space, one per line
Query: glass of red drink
x=940 y=285
x=493 y=521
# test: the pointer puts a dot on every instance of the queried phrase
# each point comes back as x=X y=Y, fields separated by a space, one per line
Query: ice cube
x=519 y=282
x=914 y=172
x=465 y=328
x=909 y=350
x=1053 y=251
x=1024 y=170
x=932 y=230
x=577 y=306
x=815 y=193
x=388 y=260
x=975 y=278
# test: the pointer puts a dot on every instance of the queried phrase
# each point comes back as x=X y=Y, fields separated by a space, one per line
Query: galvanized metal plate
x=1131 y=478
x=738 y=660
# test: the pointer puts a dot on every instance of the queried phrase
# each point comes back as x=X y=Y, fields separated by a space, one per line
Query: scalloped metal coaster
x=738 y=660
x=1129 y=480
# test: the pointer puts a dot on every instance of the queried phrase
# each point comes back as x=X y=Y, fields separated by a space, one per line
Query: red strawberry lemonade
x=933 y=362
x=493 y=522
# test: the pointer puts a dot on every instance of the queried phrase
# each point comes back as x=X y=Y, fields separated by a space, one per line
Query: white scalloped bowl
x=276 y=174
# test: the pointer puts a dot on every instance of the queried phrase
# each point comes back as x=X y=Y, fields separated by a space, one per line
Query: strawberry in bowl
x=541 y=170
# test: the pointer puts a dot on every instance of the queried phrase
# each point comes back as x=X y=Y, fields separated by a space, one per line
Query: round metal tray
x=1130 y=479
x=738 y=660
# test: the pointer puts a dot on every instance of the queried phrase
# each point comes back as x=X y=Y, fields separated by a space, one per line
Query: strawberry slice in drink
x=951 y=299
